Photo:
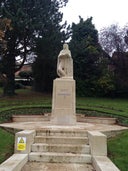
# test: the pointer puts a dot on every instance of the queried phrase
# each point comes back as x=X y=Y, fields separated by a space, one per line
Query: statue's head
x=65 y=46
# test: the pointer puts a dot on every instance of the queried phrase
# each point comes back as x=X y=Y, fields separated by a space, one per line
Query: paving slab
x=32 y=166
x=78 y=126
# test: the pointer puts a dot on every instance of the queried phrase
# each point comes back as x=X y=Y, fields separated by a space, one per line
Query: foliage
x=47 y=49
x=44 y=65
x=85 y=88
x=48 y=46
x=106 y=85
x=30 y=19
x=44 y=73
x=86 y=53
x=4 y=25
x=117 y=150
x=120 y=70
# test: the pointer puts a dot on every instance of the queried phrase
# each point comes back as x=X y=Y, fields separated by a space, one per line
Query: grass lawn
x=106 y=105
x=32 y=103
x=118 y=151
x=6 y=144
x=26 y=99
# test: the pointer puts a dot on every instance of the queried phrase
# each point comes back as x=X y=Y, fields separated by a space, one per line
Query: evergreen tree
x=86 y=53
x=48 y=45
x=30 y=19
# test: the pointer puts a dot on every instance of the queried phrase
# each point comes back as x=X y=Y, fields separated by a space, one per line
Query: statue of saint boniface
x=65 y=63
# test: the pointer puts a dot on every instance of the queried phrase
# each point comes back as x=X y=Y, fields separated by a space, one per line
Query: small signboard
x=21 y=143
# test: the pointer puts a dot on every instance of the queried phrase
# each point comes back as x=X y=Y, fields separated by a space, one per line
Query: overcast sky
x=104 y=12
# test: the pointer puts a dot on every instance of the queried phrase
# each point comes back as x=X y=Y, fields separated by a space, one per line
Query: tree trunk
x=9 y=84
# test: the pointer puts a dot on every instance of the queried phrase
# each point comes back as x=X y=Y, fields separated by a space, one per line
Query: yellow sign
x=21 y=143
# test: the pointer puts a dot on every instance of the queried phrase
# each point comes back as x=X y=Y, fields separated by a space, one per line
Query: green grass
x=29 y=102
x=28 y=98
x=25 y=97
x=105 y=105
x=118 y=151
x=6 y=144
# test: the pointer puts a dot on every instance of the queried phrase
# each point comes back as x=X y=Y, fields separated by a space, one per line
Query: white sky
x=104 y=12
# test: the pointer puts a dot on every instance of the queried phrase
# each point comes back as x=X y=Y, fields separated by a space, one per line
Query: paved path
x=36 y=166
x=47 y=125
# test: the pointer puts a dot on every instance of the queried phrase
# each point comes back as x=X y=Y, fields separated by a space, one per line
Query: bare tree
x=112 y=39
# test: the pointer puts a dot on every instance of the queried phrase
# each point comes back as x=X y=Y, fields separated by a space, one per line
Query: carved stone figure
x=63 y=99
x=65 y=63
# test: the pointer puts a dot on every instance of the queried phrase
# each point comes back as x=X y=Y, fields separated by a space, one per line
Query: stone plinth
x=23 y=141
x=63 y=102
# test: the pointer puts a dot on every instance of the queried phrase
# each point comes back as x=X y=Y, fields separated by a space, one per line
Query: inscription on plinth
x=63 y=97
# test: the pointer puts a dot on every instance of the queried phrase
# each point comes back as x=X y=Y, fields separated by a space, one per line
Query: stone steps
x=40 y=166
x=30 y=118
x=61 y=132
x=60 y=146
x=52 y=157
x=63 y=148
x=47 y=116
x=61 y=140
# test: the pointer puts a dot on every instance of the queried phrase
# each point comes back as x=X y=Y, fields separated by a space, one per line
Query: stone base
x=63 y=102
x=14 y=163
x=102 y=163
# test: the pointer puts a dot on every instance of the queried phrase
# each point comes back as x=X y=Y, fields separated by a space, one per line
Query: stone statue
x=65 y=63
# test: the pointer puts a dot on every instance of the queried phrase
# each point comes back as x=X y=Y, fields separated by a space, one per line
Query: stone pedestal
x=63 y=102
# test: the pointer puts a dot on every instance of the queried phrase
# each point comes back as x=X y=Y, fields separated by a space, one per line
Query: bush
x=85 y=88
x=106 y=85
